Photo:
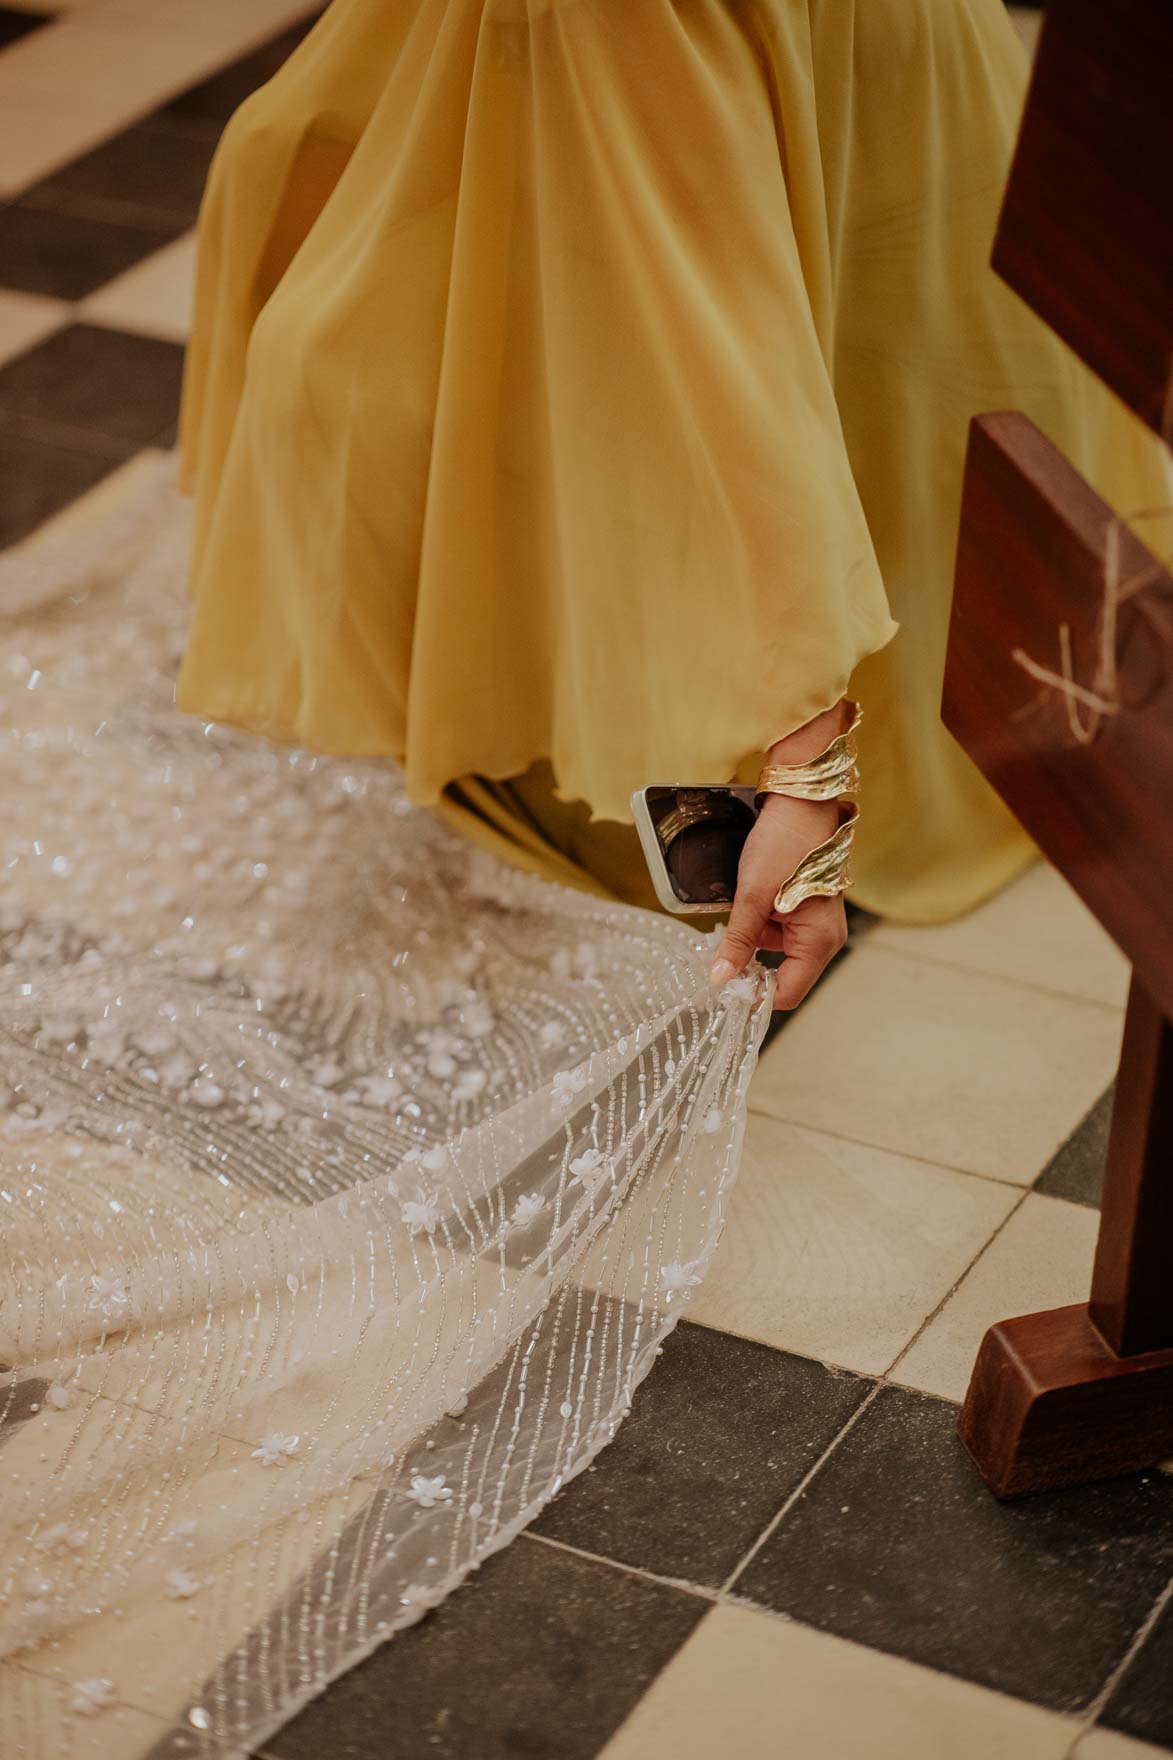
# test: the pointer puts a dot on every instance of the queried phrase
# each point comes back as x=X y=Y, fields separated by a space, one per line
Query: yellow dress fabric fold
x=578 y=394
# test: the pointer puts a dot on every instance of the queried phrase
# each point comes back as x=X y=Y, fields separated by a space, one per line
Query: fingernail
x=721 y=971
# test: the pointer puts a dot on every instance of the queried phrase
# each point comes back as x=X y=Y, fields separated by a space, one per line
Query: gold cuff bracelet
x=833 y=772
x=824 y=873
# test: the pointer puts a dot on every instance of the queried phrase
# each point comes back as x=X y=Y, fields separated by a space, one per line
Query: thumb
x=752 y=909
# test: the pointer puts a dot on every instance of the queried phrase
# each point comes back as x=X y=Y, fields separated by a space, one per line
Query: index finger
x=753 y=906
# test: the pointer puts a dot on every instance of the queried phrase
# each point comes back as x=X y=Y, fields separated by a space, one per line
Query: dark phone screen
x=701 y=833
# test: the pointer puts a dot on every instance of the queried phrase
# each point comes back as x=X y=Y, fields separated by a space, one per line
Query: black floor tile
x=897 y=1544
x=720 y=1434
x=14 y=24
x=160 y=170
x=1076 y=1171
x=38 y=479
x=217 y=97
x=19 y=1401
x=1142 y=1704
x=541 y=1655
x=89 y=379
x=70 y=255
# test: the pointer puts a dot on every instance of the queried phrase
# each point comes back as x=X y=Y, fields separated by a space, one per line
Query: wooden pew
x=1086 y=236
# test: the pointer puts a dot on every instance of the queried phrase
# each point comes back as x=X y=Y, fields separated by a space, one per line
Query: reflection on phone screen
x=701 y=832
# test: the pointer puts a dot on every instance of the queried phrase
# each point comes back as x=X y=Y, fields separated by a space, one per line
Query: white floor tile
x=67 y=86
x=57 y=7
x=951 y=1066
x=229 y=26
x=839 y=1251
x=25 y=318
x=91 y=72
x=1037 y=931
x=1106 y=1744
x=153 y=298
x=40 y=131
x=750 y=1687
x=1042 y=1259
x=35 y=1716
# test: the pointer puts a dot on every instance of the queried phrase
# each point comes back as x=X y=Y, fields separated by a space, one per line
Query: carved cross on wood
x=1086 y=236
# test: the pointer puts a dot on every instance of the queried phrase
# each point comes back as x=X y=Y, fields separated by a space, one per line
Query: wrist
x=810 y=739
x=816 y=819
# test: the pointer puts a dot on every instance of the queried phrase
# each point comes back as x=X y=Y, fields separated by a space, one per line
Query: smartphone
x=692 y=837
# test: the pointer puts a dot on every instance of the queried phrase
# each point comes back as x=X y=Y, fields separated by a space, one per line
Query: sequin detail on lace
x=349 y=1181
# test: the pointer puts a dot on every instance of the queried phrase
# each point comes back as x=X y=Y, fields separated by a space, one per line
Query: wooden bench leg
x=1086 y=1392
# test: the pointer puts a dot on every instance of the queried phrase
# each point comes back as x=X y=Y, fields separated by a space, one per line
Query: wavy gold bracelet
x=833 y=772
x=824 y=872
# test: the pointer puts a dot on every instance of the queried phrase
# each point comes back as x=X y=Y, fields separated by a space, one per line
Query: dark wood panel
x=1132 y=1286
x=1031 y=555
x=1086 y=234
x=1051 y=1405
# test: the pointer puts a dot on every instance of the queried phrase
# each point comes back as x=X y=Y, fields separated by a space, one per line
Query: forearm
x=788 y=828
x=813 y=737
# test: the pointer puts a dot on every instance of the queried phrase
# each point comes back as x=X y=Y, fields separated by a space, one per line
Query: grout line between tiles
x=699 y=1591
x=930 y=959
x=60 y=1682
x=788 y=1505
x=1140 y=1639
x=954 y=1287
x=821 y=1130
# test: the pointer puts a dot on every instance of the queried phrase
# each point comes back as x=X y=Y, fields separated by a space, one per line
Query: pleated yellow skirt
x=578 y=398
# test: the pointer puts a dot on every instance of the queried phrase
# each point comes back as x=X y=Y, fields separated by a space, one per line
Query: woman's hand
x=786 y=830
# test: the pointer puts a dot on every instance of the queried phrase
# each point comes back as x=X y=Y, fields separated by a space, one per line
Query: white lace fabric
x=349 y=1181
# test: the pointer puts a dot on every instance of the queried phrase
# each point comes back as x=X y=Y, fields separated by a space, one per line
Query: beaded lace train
x=348 y=1180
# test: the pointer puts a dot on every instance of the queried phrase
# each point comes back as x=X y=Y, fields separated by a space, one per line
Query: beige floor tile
x=25 y=318
x=839 y=1251
x=750 y=1687
x=102 y=500
x=226 y=25
x=1106 y=1744
x=36 y=1718
x=58 y=6
x=65 y=87
x=952 y=1066
x=159 y=1651
x=1037 y=930
x=91 y=72
x=1042 y=1259
x=152 y=299
x=197 y=1503
x=40 y=131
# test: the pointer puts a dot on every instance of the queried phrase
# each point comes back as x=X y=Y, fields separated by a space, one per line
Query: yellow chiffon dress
x=578 y=398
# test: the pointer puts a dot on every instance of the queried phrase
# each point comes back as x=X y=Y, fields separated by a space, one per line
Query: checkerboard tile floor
x=786 y=1551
